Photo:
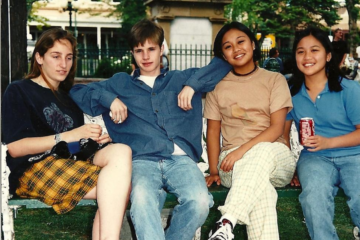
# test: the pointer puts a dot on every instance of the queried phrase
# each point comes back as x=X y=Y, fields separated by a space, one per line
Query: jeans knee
x=316 y=199
x=198 y=206
x=141 y=199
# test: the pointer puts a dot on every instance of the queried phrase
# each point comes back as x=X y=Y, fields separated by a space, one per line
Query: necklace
x=242 y=75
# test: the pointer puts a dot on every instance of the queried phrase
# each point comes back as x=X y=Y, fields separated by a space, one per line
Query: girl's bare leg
x=112 y=190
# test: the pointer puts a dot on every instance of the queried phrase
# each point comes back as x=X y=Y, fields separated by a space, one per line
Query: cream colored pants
x=252 y=197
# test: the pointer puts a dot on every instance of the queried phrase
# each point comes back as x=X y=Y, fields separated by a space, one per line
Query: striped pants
x=252 y=197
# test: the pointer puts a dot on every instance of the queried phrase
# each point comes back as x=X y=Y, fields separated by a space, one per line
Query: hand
x=228 y=162
x=86 y=131
x=105 y=138
x=295 y=181
x=317 y=143
x=184 y=98
x=118 y=111
x=213 y=178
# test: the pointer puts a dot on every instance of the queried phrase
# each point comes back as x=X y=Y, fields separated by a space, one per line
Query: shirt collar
x=163 y=72
x=304 y=92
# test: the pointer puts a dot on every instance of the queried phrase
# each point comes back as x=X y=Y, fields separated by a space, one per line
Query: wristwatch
x=57 y=138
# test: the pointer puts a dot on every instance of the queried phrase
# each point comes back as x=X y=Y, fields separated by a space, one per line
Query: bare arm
x=273 y=132
x=316 y=143
x=35 y=145
x=287 y=132
x=213 y=150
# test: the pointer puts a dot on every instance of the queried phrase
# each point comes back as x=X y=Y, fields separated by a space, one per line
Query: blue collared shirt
x=155 y=122
x=334 y=113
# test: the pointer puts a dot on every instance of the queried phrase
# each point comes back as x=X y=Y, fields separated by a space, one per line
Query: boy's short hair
x=145 y=30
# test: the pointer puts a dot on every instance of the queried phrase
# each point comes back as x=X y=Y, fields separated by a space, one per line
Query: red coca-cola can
x=307 y=129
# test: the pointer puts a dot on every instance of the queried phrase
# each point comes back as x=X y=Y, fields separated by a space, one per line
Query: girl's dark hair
x=332 y=69
x=45 y=42
x=241 y=27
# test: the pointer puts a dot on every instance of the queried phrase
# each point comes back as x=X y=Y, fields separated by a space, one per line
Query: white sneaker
x=356 y=233
x=222 y=231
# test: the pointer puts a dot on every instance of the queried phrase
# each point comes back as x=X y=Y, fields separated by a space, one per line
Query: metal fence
x=106 y=62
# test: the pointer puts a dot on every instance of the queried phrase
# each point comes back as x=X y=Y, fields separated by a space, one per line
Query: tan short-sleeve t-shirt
x=243 y=104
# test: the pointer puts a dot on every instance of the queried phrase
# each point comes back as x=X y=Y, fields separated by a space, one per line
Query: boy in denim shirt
x=163 y=127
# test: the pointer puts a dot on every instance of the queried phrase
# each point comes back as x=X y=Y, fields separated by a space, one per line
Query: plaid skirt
x=60 y=183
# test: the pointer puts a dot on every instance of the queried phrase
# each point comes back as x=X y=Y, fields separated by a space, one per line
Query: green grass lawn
x=45 y=224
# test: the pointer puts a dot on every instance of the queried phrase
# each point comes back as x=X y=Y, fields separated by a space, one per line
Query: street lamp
x=70 y=6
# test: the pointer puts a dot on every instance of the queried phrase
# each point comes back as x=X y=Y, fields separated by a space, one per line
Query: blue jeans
x=180 y=176
x=320 y=178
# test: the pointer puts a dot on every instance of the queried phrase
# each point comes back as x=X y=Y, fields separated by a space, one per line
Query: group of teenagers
x=154 y=123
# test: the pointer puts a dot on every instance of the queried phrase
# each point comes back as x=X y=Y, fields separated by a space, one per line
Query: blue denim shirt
x=155 y=122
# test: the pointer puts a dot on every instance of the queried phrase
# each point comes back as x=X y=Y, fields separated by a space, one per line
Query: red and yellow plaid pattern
x=60 y=183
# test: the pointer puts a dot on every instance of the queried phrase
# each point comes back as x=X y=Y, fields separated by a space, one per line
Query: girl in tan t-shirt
x=248 y=107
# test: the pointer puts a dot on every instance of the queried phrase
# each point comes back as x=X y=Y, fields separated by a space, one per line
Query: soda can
x=307 y=129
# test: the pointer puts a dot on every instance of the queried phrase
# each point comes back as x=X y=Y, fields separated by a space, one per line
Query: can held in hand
x=307 y=129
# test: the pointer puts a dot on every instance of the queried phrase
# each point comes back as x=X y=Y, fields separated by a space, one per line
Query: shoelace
x=223 y=235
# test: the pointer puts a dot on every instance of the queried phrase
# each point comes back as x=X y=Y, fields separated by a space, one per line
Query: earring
x=254 y=48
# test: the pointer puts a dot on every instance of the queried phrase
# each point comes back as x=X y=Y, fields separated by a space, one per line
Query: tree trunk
x=353 y=13
x=18 y=40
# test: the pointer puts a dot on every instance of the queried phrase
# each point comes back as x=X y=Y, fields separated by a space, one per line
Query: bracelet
x=57 y=138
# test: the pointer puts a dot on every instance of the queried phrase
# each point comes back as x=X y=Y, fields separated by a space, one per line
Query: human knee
x=315 y=198
x=116 y=153
x=142 y=198
x=118 y=149
x=198 y=206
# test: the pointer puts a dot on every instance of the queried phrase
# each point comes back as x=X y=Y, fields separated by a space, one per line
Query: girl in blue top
x=331 y=158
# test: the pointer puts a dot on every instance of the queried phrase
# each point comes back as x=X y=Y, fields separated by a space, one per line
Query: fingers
x=227 y=165
x=295 y=182
x=118 y=111
x=184 y=103
x=116 y=118
x=218 y=182
x=93 y=131
x=105 y=138
x=211 y=179
x=184 y=98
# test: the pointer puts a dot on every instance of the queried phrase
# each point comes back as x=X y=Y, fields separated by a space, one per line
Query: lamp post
x=69 y=6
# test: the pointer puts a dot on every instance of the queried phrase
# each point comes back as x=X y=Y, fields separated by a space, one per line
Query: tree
x=17 y=26
x=283 y=17
x=32 y=6
x=353 y=12
x=129 y=12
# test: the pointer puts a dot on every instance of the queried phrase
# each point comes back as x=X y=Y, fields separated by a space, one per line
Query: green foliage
x=32 y=7
x=281 y=17
x=353 y=11
x=129 y=12
x=108 y=67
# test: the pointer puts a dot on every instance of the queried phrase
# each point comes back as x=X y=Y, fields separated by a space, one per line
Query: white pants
x=252 y=197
